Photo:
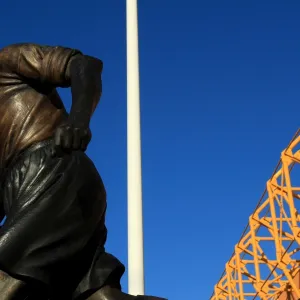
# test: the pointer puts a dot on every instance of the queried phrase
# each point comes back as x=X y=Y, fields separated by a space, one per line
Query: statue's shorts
x=55 y=228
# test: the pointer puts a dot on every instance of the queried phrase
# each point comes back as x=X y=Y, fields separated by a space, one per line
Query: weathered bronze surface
x=52 y=243
x=30 y=107
x=11 y=288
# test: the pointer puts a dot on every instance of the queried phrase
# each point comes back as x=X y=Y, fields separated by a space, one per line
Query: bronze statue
x=52 y=243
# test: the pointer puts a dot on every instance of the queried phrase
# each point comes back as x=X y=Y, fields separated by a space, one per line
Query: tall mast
x=135 y=205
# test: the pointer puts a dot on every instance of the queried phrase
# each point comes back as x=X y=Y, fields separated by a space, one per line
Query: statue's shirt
x=30 y=107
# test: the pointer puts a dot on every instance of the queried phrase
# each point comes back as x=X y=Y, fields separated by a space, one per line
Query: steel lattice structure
x=266 y=260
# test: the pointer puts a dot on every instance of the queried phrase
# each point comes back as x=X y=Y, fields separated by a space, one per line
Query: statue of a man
x=52 y=243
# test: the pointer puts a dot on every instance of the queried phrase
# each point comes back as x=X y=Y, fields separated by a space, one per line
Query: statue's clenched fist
x=68 y=138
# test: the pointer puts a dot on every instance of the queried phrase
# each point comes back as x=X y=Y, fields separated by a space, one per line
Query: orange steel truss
x=266 y=260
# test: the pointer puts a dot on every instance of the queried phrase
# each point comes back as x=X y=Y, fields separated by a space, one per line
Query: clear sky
x=220 y=99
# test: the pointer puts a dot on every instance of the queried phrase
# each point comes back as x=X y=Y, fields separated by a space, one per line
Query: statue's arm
x=86 y=87
x=39 y=64
x=61 y=67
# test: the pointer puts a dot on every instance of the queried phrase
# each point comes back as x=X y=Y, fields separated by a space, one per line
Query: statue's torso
x=28 y=114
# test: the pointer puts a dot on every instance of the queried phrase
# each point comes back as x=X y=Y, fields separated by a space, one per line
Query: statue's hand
x=68 y=138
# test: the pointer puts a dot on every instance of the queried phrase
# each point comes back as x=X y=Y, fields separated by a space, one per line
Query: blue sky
x=219 y=101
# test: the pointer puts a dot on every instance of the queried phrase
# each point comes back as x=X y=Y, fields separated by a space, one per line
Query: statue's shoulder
x=9 y=53
x=14 y=46
x=25 y=47
x=14 y=49
x=13 y=56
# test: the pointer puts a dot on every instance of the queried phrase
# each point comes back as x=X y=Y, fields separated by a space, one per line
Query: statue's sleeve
x=44 y=64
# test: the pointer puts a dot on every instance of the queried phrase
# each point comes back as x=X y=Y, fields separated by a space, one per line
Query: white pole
x=135 y=207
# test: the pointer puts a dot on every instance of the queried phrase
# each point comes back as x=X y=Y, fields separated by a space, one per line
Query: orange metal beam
x=289 y=294
x=265 y=262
